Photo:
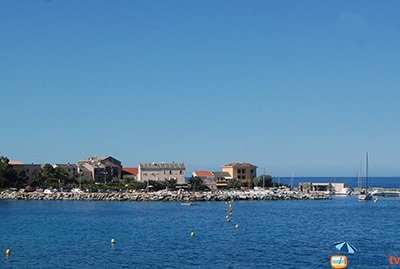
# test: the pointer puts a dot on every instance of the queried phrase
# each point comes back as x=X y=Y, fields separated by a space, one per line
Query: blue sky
x=293 y=86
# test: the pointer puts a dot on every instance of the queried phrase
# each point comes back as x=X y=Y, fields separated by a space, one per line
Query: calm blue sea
x=272 y=234
x=384 y=182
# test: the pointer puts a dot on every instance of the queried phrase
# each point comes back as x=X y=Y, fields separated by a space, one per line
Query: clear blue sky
x=302 y=86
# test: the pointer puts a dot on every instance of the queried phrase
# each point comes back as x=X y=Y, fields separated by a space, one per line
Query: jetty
x=166 y=195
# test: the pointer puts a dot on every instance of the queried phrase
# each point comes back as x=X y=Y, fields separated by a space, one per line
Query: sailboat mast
x=366 y=172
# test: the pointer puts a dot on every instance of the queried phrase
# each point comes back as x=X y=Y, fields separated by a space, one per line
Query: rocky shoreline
x=176 y=196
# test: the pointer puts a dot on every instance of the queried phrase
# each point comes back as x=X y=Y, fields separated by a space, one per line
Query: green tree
x=50 y=176
x=9 y=177
x=136 y=185
x=197 y=184
x=234 y=183
x=4 y=172
x=157 y=185
x=21 y=179
x=171 y=183
x=263 y=181
x=266 y=181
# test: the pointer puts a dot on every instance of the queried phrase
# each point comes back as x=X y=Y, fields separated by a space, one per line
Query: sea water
x=271 y=234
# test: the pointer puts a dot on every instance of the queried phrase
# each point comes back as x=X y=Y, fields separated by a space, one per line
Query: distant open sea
x=384 y=182
x=272 y=234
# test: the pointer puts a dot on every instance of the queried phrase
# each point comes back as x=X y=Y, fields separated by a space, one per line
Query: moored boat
x=365 y=195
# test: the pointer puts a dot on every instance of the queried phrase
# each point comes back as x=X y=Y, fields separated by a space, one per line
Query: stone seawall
x=181 y=196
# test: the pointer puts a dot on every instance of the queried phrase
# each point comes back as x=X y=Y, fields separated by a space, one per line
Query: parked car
x=76 y=190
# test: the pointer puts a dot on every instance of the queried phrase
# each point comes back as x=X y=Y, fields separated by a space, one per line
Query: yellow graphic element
x=338 y=262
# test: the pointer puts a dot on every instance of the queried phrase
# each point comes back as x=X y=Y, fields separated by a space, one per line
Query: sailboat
x=364 y=194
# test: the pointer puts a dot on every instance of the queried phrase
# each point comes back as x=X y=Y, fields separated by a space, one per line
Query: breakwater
x=281 y=194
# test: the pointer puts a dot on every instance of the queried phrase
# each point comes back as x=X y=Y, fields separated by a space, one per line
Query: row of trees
x=47 y=176
x=9 y=177
x=57 y=177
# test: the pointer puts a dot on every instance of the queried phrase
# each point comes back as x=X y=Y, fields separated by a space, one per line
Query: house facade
x=207 y=177
x=245 y=172
x=101 y=168
x=161 y=172
x=130 y=172
x=221 y=179
x=213 y=180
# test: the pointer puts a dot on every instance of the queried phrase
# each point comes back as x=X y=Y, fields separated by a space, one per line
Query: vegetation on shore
x=53 y=177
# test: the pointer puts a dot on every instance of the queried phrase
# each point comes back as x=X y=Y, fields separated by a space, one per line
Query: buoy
x=8 y=252
x=192 y=234
x=376 y=199
x=113 y=241
x=237 y=226
x=228 y=220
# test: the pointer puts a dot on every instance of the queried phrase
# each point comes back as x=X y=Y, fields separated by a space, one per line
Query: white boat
x=365 y=195
x=344 y=192
x=377 y=193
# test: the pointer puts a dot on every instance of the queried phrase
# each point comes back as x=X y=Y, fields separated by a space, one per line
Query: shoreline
x=172 y=196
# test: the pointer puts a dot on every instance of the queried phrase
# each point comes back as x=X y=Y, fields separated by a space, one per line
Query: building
x=130 y=172
x=213 y=180
x=221 y=179
x=161 y=172
x=316 y=188
x=31 y=170
x=245 y=172
x=101 y=168
x=71 y=169
x=207 y=177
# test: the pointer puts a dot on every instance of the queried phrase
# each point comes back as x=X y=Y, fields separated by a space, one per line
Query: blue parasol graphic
x=345 y=247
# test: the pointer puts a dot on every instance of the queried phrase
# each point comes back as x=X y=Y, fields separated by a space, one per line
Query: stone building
x=101 y=168
x=161 y=172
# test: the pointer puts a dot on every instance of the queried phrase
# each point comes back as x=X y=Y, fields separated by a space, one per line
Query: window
x=170 y=172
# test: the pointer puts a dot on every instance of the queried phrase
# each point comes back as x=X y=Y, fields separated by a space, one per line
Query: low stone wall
x=162 y=196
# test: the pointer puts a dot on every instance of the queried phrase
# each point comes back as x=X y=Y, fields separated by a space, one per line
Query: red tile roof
x=131 y=170
x=204 y=173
